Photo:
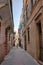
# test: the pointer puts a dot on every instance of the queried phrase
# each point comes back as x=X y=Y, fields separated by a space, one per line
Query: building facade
x=6 y=26
x=21 y=39
x=32 y=30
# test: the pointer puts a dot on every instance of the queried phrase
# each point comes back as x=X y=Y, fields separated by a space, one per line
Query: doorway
x=6 y=37
x=28 y=36
x=25 y=42
x=40 y=40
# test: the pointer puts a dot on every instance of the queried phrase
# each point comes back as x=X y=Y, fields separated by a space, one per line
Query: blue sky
x=17 y=10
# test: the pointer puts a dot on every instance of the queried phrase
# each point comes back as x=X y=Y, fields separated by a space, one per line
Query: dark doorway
x=28 y=36
x=40 y=40
x=25 y=42
x=19 y=42
x=6 y=33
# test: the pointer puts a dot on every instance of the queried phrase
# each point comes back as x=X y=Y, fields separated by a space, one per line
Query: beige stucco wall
x=33 y=47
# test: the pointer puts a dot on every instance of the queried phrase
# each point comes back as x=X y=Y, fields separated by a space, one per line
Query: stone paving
x=18 y=56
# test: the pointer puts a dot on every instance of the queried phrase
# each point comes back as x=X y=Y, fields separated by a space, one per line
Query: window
x=9 y=36
x=34 y=1
x=0 y=17
x=27 y=12
x=31 y=5
x=26 y=1
x=25 y=18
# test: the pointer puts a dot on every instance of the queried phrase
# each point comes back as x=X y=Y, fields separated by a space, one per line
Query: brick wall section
x=2 y=52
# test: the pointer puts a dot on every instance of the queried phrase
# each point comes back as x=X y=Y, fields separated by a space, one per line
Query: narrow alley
x=18 y=56
x=21 y=32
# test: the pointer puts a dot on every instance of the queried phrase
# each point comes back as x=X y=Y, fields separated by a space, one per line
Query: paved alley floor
x=18 y=56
